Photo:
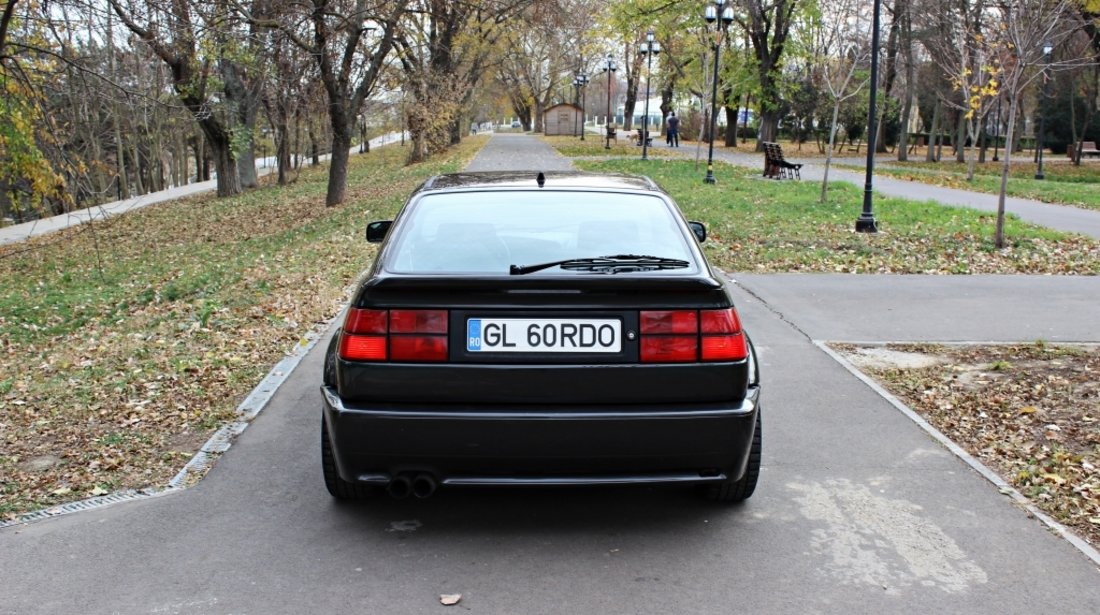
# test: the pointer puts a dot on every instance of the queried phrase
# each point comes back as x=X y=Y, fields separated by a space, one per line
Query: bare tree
x=350 y=41
x=284 y=95
x=1023 y=28
x=839 y=49
x=445 y=47
x=177 y=32
x=903 y=14
x=964 y=52
x=534 y=63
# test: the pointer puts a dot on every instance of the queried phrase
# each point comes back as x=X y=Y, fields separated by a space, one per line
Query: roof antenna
x=541 y=179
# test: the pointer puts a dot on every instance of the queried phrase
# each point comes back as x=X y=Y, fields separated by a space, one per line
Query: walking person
x=673 y=124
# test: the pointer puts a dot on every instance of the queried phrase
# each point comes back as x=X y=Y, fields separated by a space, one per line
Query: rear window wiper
x=615 y=263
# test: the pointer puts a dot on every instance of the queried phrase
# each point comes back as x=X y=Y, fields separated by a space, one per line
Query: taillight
x=669 y=349
x=394 y=335
x=681 y=336
x=671 y=321
x=722 y=339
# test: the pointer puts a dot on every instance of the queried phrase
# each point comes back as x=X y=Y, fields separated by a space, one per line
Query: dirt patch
x=1029 y=412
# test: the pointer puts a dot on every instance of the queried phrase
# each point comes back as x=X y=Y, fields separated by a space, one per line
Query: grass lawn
x=126 y=343
x=760 y=225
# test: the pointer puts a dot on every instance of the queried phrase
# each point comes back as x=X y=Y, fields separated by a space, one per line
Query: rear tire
x=338 y=487
x=740 y=490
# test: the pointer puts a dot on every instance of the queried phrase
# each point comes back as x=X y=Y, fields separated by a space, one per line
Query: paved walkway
x=858 y=510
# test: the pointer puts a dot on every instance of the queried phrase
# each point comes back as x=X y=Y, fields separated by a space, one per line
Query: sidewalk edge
x=1004 y=487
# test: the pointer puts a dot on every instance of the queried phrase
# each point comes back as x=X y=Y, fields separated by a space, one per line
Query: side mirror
x=699 y=229
x=376 y=231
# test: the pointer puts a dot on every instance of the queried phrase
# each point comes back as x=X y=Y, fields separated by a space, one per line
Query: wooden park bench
x=638 y=138
x=777 y=167
x=1088 y=149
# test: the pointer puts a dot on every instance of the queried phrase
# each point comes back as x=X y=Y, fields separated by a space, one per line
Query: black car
x=531 y=329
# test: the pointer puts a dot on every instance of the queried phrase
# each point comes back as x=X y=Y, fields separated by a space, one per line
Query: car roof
x=534 y=180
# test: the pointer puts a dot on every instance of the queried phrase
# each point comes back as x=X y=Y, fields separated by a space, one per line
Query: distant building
x=563 y=119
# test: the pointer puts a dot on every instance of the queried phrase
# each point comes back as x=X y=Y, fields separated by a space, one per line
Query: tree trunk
x=338 y=168
x=629 y=103
x=139 y=187
x=314 y=150
x=123 y=183
x=243 y=100
x=731 y=115
x=539 y=119
x=999 y=235
x=731 y=125
x=666 y=104
x=745 y=122
x=282 y=148
x=225 y=164
x=769 y=128
x=829 y=155
x=930 y=155
x=960 y=139
x=888 y=83
x=457 y=130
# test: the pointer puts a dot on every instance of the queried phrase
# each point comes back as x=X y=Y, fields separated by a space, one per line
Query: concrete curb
x=1020 y=500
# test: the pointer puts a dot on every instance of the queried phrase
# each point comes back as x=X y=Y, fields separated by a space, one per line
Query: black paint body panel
x=562 y=418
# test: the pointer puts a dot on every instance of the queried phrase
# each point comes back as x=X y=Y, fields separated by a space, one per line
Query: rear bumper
x=539 y=445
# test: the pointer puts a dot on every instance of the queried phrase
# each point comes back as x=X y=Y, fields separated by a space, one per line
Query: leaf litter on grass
x=125 y=344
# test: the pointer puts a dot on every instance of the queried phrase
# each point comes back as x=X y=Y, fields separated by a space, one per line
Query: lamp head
x=1047 y=48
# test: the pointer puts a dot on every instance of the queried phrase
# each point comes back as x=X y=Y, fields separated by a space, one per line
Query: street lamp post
x=1047 y=48
x=579 y=82
x=609 y=67
x=582 y=80
x=649 y=49
x=711 y=15
x=576 y=99
x=866 y=222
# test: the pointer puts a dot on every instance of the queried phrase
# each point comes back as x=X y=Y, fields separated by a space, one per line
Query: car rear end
x=484 y=378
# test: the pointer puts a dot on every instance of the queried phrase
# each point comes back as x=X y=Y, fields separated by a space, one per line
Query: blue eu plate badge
x=473 y=335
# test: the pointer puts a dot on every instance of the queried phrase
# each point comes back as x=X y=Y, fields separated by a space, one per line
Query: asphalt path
x=857 y=511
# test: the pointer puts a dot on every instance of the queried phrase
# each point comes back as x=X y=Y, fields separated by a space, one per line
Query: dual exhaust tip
x=421 y=485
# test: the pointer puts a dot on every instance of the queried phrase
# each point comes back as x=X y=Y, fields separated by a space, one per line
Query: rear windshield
x=486 y=232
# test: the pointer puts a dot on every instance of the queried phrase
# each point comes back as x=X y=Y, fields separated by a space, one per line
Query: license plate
x=543 y=335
